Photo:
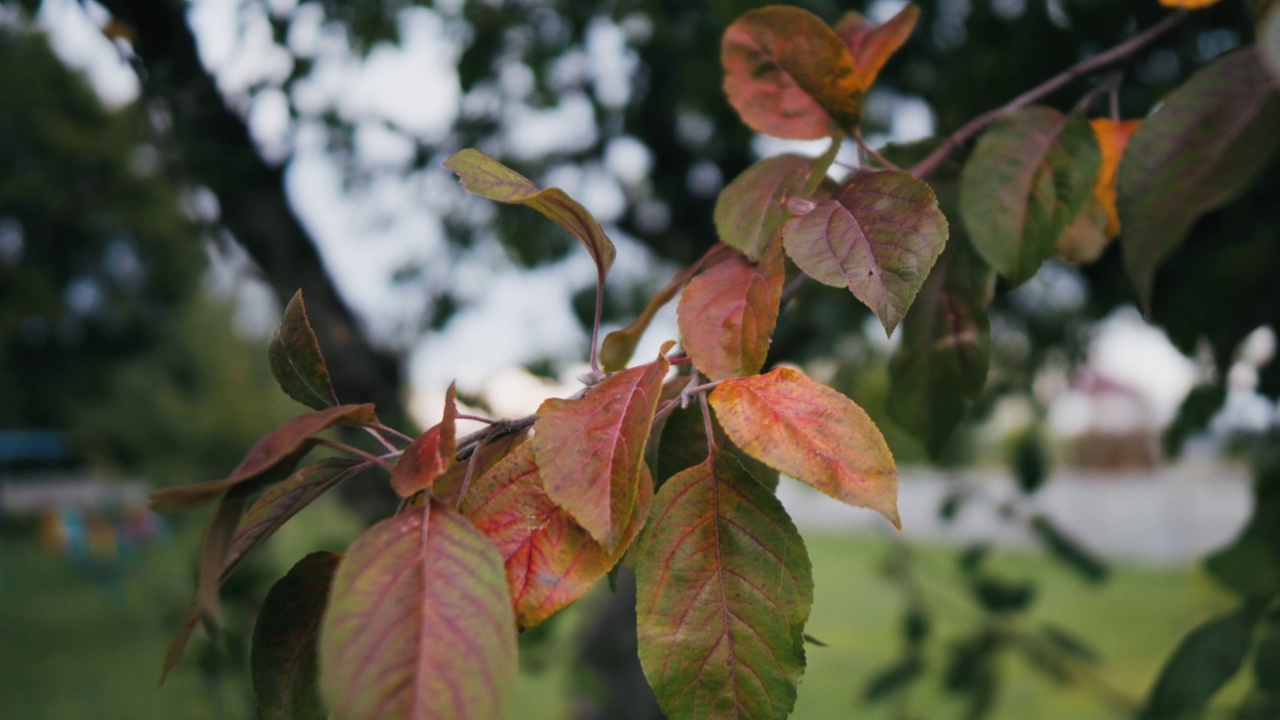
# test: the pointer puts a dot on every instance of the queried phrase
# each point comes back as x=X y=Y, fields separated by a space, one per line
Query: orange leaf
x=428 y=457
x=873 y=45
x=728 y=312
x=271 y=458
x=1112 y=138
x=1189 y=4
x=448 y=487
x=812 y=433
x=590 y=449
x=788 y=74
x=550 y=560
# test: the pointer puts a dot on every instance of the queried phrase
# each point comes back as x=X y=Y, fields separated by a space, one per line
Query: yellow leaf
x=1188 y=4
x=1112 y=138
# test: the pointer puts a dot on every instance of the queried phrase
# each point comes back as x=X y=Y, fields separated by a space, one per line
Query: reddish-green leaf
x=296 y=362
x=448 y=488
x=941 y=364
x=879 y=237
x=1202 y=148
x=283 y=655
x=591 y=449
x=723 y=587
x=788 y=74
x=550 y=560
x=1026 y=182
x=620 y=345
x=872 y=45
x=728 y=312
x=419 y=624
x=428 y=457
x=491 y=179
x=270 y=459
x=750 y=209
x=812 y=433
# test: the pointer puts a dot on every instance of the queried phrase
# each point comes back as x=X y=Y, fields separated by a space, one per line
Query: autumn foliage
x=669 y=464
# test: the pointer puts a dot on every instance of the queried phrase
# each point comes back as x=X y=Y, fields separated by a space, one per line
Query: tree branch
x=1118 y=54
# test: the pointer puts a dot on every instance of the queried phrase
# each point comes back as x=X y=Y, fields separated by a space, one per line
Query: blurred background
x=171 y=172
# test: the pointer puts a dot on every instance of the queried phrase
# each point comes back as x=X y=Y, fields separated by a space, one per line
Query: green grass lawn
x=71 y=648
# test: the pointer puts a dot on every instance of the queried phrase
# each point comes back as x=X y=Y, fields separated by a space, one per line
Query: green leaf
x=490 y=179
x=1201 y=149
x=812 y=433
x=941 y=364
x=879 y=237
x=1068 y=643
x=1203 y=662
x=296 y=362
x=419 y=624
x=270 y=459
x=1194 y=414
x=590 y=449
x=893 y=679
x=283 y=655
x=728 y=312
x=1067 y=551
x=1029 y=177
x=724 y=588
x=750 y=209
x=789 y=75
x=1250 y=565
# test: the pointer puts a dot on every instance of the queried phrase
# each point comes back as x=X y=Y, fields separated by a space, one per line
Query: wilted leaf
x=490 y=179
x=590 y=449
x=419 y=624
x=620 y=345
x=879 y=237
x=789 y=75
x=873 y=45
x=750 y=209
x=727 y=314
x=448 y=487
x=1026 y=182
x=1068 y=551
x=1113 y=138
x=283 y=655
x=296 y=362
x=270 y=459
x=1202 y=663
x=1189 y=4
x=940 y=365
x=812 y=433
x=428 y=457
x=723 y=588
x=550 y=560
x=1201 y=149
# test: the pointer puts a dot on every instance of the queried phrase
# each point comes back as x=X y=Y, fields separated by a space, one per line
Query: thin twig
x=595 y=327
x=1118 y=54
x=706 y=425
x=477 y=418
x=884 y=162
x=471 y=470
x=499 y=429
x=352 y=450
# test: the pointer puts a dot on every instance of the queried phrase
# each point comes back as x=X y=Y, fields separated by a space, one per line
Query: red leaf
x=812 y=433
x=296 y=362
x=789 y=75
x=419 y=625
x=723 y=587
x=879 y=237
x=428 y=457
x=590 y=449
x=550 y=560
x=728 y=312
x=271 y=458
x=872 y=45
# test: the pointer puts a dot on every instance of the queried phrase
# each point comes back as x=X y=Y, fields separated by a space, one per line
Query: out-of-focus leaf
x=1269 y=43
x=879 y=237
x=1250 y=565
x=1026 y=182
x=448 y=487
x=1068 y=643
x=1202 y=148
x=940 y=366
x=1113 y=138
x=270 y=459
x=550 y=561
x=1203 y=662
x=1189 y=4
x=873 y=45
x=419 y=623
x=296 y=362
x=431 y=454
x=1086 y=238
x=971 y=672
x=1266 y=657
x=812 y=433
x=620 y=345
x=490 y=179
x=1067 y=551
x=1194 y=414
x=283 y=654
x=1030 y=461
x=724 y=589
x=684 y=444
x=789 y=75
x=590 y=449
x=727 y=314
x=893 y=679
x=1000 y=596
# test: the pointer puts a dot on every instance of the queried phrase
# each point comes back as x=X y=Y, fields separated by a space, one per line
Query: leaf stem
x=353 y=450
x=477 y=418
x=595 y=327
x=884 y=162
x=1118 y=54
x=707 y=426
x=499 y=429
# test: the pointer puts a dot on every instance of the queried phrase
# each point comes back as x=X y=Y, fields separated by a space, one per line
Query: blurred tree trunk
x=216 y=150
